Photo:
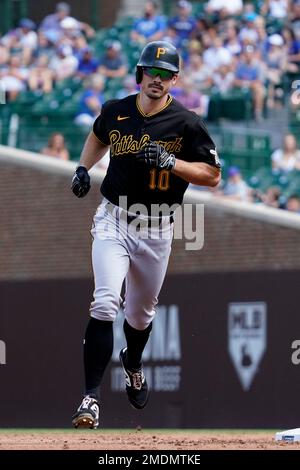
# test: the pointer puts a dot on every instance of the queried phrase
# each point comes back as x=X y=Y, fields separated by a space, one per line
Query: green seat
x=250 y=151
x=44 y=107
x=262 y=179
x=235 y=105
x=71 y=105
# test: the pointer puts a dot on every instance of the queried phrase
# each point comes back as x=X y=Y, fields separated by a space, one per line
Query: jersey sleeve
x=200 y=146
x=100 y=128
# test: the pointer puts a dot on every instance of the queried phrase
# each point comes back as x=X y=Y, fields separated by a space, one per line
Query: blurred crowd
x=285 y=166
x=224 y=45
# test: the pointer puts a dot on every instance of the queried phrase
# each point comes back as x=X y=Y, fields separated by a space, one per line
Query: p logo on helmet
x=158 y=54
x=160 y=51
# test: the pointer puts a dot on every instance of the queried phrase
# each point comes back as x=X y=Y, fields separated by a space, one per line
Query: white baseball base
x=291 y=435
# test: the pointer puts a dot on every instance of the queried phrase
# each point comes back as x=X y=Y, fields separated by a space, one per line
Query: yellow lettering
x=163 y=180
x=160 y=51
x=122 y=144
x=163 y=177
x=152 y=183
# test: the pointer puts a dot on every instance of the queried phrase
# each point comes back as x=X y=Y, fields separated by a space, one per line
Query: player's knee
x=140 y=320
x=105 y=307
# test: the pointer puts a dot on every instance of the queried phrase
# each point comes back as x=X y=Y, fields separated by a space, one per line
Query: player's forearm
x=92 y=152
x=197 y=173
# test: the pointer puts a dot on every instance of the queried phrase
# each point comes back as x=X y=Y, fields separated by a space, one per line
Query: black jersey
x=123 y=125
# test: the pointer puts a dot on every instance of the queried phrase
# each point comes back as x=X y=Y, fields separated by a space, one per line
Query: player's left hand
x=155 y=155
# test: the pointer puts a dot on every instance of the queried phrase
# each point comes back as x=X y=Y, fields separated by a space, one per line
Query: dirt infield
x=140 y=440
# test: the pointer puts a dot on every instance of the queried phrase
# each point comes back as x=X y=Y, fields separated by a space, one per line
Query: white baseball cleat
x=87 y=415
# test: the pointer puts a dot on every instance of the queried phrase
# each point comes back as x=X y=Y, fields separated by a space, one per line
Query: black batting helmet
x=160 y=54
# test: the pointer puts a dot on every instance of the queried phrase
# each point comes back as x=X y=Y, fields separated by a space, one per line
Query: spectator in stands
x=295 y=17
x=149 y=28
x=129 y=87
x=277 y=9
x=288 y=157
x=13 y=78
x=40 y=76
x=293 y=50
x=194 y=48
x=28 y=39
x=248 y=33
x=72 y=28
x=113 y=63
x=172 y=37
x=247 y=76
x=223 y=79
x=201 y=26
x=223 y=8
x=22 y=40
x=232 y=42
x=56 y=147
x=183 y=23
x=91 y=101
x=262 y=43
x=87 y=63
x=293 y=204
x=60 y=23
x=275 y=62
x=295 y=96
x=200 y=73
x=79 y=44
x=64 y=63
x=248 y=7
x=217 y=55
x=45 y=46
x=270 y=198
x=209 y=36
x=189 y=97
x=51 y=24
x=4 y=57
x=236 y=187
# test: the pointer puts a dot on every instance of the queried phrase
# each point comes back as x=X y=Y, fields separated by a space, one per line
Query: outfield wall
x=195 y=380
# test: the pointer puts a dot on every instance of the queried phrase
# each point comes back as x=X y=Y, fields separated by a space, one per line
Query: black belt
x=150 y=221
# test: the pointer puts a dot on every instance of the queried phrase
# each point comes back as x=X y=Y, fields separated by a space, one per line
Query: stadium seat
x=235 y=105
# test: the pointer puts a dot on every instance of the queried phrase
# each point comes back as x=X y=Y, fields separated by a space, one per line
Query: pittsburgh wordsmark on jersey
x=126 y=129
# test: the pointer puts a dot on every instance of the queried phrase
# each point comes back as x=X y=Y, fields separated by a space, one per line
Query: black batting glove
x=81 y=182
x=155 y=156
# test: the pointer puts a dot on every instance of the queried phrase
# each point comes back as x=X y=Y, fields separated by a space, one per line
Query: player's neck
x=148 y=105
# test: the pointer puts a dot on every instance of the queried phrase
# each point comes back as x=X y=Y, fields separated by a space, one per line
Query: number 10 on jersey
x=159 y=179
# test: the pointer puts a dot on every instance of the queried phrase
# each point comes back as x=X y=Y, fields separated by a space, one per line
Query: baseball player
x=157 y=147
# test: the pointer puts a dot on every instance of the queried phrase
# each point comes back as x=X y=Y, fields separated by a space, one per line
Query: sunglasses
x=153 y=72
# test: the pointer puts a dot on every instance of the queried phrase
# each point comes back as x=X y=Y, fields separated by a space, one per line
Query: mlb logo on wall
x=247 y=332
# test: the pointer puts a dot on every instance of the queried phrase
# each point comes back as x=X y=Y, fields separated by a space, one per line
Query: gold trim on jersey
x=127 y=144
x=169 y=100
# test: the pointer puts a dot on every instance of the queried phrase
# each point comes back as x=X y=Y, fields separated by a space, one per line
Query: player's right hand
x=81 y=182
